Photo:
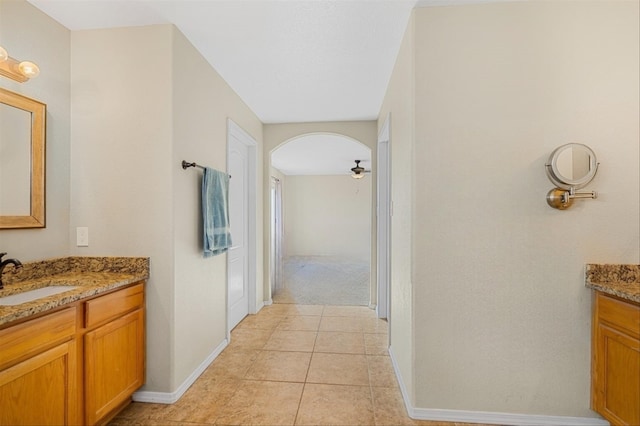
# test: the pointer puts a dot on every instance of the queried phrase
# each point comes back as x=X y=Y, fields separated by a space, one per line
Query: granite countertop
x=622 y=281
x=92 y=276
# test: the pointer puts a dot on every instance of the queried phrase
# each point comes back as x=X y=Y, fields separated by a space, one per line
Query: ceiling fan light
x=357 y=171
x=3 y=54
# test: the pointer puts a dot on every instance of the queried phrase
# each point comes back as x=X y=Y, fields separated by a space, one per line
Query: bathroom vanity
x=615 y=362
x=75 y=357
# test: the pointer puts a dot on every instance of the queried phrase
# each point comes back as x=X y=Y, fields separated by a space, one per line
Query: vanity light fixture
x=20 y=71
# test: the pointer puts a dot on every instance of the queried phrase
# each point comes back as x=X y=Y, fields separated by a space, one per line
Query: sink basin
x=30 y=296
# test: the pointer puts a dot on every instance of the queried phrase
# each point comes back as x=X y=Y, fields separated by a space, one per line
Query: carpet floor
x=324 y=280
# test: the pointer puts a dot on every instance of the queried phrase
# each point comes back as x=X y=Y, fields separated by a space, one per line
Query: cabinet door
x=40 y=390
x=617 y=373
x=114 y=364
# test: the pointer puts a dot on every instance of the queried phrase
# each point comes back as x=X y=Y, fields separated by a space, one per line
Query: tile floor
x=292 y=364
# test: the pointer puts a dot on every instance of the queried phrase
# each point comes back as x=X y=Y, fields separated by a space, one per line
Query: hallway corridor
x=324 y=280
x=292 y=364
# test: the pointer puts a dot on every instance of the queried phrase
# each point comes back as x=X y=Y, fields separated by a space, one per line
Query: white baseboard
x=258 y=308
x=268 y=302
x=403 y=387
x=487 y=417
x=172 y=397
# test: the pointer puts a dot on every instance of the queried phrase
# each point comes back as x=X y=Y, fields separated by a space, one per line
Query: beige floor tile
x=381 y=371
x=281 y=309
x=341 y=352
x=468 y=424
x=338 y=369
x=348 y=311
x=374 y=325
x=204 y=401
x=287 y=309
x=262 y=403
x=139 y=411
x=124 y=421
x=280 y=366
x=335 y=405
x=346 y=324
x=300 y=323
x=232 y=363
x=306 y=309
x=376 y=344
x=296 y=341
x=340 y=342
x=389 y=408
x=269 y=322
x=249 y=338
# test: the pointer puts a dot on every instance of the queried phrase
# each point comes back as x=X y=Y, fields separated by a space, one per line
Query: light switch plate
x=82 y=236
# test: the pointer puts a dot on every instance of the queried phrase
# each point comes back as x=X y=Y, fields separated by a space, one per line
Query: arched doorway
x=321 y=224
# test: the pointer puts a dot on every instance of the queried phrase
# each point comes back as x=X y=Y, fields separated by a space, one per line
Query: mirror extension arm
x=562 y=199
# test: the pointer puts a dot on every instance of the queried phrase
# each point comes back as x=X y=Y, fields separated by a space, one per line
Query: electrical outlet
x=82 y=236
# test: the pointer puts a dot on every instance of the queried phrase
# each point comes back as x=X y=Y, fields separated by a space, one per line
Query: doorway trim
x=235 y=131
x=383 y=231
x=276 y=232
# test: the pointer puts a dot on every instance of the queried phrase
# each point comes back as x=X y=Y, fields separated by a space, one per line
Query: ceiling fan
x=358 y=171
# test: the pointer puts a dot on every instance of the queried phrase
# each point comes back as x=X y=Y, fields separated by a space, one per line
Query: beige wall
x=22 y=31
x=328 y=216
x=278 y=134
x=398 y=105
x=202 y=102
x=129 y=137
x=121 y=174
x=502 y=317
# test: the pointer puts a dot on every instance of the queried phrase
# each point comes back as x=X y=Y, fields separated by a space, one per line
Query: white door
x=384 y=221
x=238 y=272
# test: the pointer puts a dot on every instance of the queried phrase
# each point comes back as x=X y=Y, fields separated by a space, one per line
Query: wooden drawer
x=24 y=340
x=619 y=314
x=105 y=308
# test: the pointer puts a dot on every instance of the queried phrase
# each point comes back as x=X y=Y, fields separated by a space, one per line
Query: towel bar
x=186 y=165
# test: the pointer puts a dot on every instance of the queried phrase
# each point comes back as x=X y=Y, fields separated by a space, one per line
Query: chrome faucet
x=3 y=263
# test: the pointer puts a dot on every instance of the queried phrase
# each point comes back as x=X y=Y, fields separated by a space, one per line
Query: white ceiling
x=320 y=154
x=290 y=61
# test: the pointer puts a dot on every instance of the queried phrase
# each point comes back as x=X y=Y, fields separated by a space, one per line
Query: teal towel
x=215 y=212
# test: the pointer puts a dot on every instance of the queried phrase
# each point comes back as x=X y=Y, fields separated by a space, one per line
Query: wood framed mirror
x=22 y=161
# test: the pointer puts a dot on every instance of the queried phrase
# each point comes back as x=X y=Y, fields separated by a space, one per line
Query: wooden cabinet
x=615 y=392
x=38 y=371
x=78 y=365
x=113 y=352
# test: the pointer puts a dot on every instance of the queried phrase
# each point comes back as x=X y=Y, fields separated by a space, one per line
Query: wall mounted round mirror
x=573 y=165
x=570 y=167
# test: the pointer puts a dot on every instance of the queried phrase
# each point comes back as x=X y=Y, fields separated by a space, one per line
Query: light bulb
x=29 y=69
x=3 y=54
x=357 y=175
